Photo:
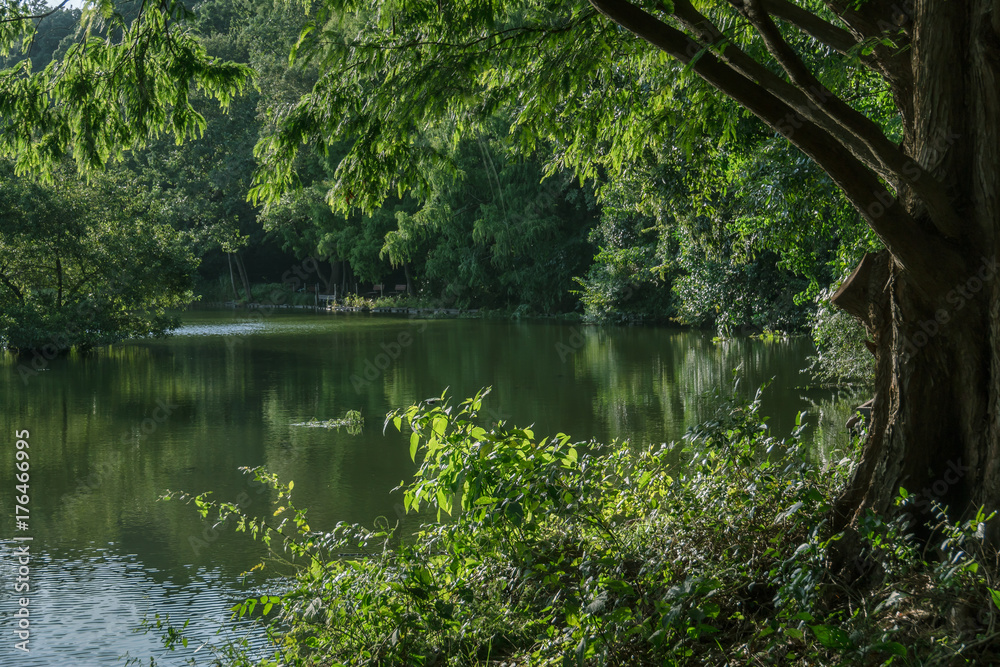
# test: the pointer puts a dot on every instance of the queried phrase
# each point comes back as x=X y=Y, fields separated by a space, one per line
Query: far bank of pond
x=112 y=431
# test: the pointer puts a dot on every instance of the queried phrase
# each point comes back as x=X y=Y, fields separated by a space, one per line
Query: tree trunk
x=936 y=423
x=59 y=282
x=232 y=278
x=930 y=301
x=931 y=431
x=241 y=268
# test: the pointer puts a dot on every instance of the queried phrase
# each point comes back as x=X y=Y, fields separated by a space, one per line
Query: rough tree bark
x=930 y=302
x=935 y=428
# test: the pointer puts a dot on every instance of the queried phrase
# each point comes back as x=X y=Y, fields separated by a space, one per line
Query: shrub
x=841 y=356
x=713 y=551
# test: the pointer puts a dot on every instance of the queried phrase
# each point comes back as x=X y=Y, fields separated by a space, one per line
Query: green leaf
x=414 y=441
x=444 y=500
x=995 y=596
x=893 y=648
x=831 y=637
x=581 y=651
x=788 y=512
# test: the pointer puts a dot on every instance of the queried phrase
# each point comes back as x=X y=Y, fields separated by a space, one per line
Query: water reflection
x=221 y=329
x=89 y=624
x=112 y=431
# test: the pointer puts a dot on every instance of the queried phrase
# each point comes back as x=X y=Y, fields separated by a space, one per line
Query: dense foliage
x=86 y=264
x=713 y=551
x=842 y=354
x=486 y=213
x=739 y=234
x=141 y=53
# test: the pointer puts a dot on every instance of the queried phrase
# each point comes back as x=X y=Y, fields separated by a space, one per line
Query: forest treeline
x=563 y=158
x=725 y=225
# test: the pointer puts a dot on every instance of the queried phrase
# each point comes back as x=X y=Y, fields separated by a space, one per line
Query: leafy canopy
x=86 y=264
x=396 y=72
x=126 y=78
x=566 y=75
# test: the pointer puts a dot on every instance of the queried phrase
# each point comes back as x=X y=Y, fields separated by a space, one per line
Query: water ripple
x=85 y=608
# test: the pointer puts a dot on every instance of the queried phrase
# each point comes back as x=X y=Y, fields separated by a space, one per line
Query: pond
x=112 y=431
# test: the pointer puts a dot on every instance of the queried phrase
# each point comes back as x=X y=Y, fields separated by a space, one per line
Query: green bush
x=841 y=356
x=544 y=552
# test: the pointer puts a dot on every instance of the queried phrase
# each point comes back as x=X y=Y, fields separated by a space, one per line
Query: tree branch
x=872 y=20
x=15 y=19
x=890 y=63
x=74 y=289
x=909 y=243
x=816 y=102
x=11 y=286
x=835 y=37
x=794 y=97
x=894 y=161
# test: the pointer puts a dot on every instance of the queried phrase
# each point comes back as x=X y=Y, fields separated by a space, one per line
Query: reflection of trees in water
x=653 y=381
x=657 y=381
x=236 y=397
x=830 y=411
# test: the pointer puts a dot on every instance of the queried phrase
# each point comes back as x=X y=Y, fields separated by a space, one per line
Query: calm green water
x=111 y=432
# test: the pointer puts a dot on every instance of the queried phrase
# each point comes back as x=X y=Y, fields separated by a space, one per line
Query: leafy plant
x=353 y=421
x=841 y=355
x=716 y=550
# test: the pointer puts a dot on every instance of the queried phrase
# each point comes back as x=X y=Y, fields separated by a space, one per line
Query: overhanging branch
x=699 y=25
x=870 y=22
x=909 y=243
x=894 y=162
x=833 y=36
x=33 y=17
